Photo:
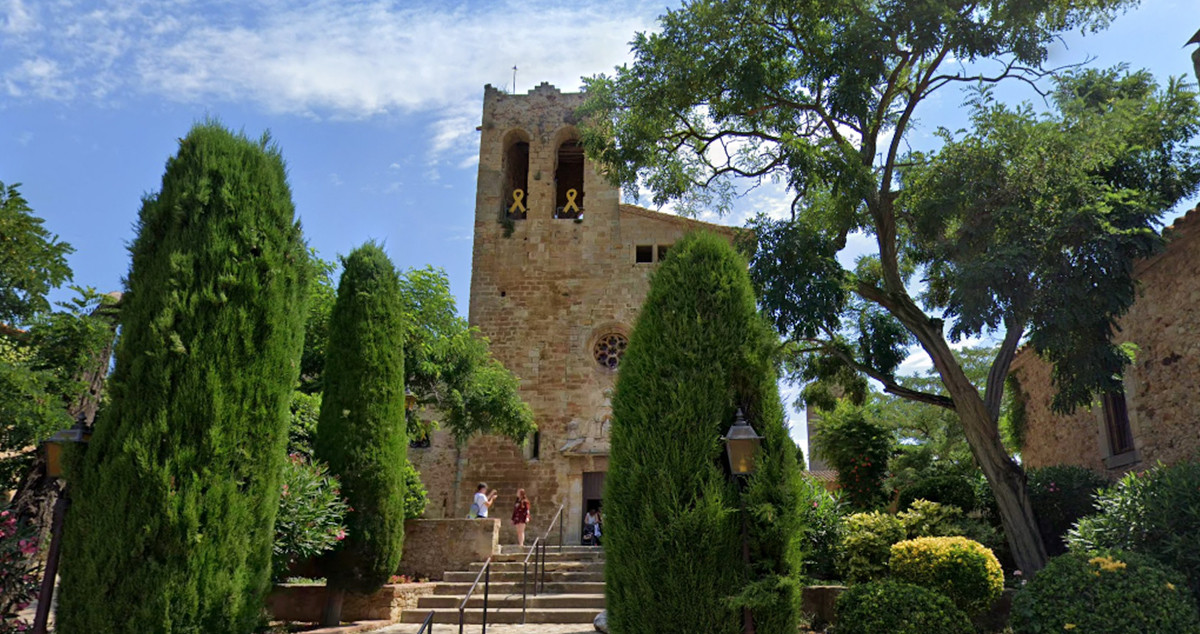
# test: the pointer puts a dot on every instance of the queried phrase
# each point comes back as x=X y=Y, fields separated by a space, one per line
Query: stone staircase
x=573 y=593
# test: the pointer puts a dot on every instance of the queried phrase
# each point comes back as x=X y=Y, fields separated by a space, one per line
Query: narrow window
x=1116 y=423
x=645 y=253
x=532 y=450
x=568 y=181
x=662 y=251
x=516 y=179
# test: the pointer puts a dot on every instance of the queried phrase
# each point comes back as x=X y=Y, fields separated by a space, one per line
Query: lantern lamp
x=741 y=446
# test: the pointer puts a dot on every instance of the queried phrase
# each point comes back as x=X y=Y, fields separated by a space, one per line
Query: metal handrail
x=525 y=578
x=486 y=573
x=554 y=521
x=546 y=537
x=427 y=625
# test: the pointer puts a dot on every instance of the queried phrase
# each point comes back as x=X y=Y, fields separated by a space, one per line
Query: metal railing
x=525 y=578
x=545 y=537
x=427 y=625
x=486 y=573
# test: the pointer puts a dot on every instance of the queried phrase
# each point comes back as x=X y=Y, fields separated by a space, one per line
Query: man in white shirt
x=483 y=501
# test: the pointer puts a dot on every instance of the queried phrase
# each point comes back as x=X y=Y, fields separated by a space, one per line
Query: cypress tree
x=175 y=499
x=361 y=433
x=673 y=514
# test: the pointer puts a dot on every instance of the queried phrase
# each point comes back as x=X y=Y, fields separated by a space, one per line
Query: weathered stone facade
x=1162 y=386
x=556 y=296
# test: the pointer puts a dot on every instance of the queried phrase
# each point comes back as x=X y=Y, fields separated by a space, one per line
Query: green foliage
x=959 y=568
x=32 y=260
x=19 y=571
x=1111 y=592
x=415 y=495
x=867 y=540
x=322 y=294
x=306 y=411
x=822 y=516
x=1062 y=495
x=174 y=503
x=952 y=490
x=930 y=519
x=362 y=431
x=892 y=607
x=1156 y=514
x=697 y=353
x=858 y=447
x=311 y=515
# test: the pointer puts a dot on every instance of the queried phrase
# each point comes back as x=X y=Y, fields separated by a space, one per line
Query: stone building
x=1157 y=416
x=559 y=270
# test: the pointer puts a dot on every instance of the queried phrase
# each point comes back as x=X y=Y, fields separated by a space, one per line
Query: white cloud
x=15 y=18
x=39 y=77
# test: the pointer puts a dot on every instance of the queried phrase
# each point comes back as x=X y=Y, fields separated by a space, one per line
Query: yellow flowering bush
x=1112 y=592
x=959 y=568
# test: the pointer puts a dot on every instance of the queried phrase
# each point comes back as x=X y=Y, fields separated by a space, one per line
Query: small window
x=568 y=181
x=1116 y=423
x=516 y=179
x=609 y=349
x=662 y=251
x=532 y=449
x=645 y=253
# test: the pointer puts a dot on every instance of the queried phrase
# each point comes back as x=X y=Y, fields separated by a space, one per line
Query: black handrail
x=525 y=578
x=546 y=537
x=486 y=573
x=427 y=625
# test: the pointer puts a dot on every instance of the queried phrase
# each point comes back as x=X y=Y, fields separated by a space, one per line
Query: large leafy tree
x=175 y=498
x=448 y=364
x=361 y=432
x=32 y=260
x=1025 y=227
x=698 y=352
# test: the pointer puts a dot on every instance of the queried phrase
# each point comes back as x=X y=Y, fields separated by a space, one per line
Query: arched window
x=568 y=181
x=516 y=177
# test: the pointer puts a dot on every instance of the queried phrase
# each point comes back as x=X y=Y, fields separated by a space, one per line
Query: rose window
x=609 y=349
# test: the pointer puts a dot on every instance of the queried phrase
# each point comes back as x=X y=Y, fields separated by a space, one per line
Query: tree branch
x=999 y=371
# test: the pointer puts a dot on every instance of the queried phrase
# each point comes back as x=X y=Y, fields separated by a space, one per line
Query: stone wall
x=1162 y=386
x=431 y=547
x=303 y=603
x=544 y=295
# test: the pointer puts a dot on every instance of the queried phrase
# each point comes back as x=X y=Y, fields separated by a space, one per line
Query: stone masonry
x=556 y=297
x=1162 y=386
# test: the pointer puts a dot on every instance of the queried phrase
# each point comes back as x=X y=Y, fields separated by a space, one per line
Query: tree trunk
x=331 y=616
x=1005 y=477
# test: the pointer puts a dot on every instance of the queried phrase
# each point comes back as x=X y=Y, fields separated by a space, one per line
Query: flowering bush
x=18 y=572
x=1111 y=592
x=311 y=514
x=858 y=447
x=1060 y=496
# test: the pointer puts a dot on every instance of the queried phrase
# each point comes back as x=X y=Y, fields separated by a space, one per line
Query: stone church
x=559 y=270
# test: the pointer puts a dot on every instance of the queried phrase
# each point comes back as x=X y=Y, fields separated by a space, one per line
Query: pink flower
x=27 y=546
x=341 y=535
x=285 y=489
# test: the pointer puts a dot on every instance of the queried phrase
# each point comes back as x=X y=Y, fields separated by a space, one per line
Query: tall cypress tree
x=673 y=515
x=175 y=499
x=361 y=431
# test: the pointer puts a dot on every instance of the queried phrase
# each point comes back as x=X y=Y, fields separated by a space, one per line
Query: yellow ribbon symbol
x=517 y=206
x=571 y=206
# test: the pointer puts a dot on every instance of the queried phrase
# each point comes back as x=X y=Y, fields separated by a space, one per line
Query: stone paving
x=531 y=628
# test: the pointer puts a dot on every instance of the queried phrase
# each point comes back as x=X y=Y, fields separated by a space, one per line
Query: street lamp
x=741 y=447
x=410 y=399
x=55 y=445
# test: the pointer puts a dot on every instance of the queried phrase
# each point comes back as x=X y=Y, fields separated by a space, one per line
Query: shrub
x=311 y=514
x=19 y=571
x=1061 y=495
x=930 y=519
x=962 y=569
x=822 y=515
x=867 y=540
x=698 y=352
x=361 y=433
x=948 y=490
x=858 y=447
x=890 y=607
x=1155 y=514
x=1111 y=592
x=415 y=495
x=171 y=527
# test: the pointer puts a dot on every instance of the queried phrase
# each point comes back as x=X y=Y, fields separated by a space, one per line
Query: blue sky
x=373 y=103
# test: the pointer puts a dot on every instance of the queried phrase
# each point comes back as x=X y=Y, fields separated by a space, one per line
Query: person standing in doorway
x=483 y=501
x=520 y=516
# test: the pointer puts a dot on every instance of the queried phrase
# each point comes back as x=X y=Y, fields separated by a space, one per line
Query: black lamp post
x=741 y=447
x=55 y=445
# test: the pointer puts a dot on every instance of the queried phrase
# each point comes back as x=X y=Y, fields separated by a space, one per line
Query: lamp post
x=55 y=445
x=741 y=447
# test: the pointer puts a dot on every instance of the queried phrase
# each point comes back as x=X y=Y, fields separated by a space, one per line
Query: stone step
x=510 y=587
x=540 y=601
x=505 y=615
x=508 y=549
x=468 y=576
x=551 y=566
x=550 y=556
